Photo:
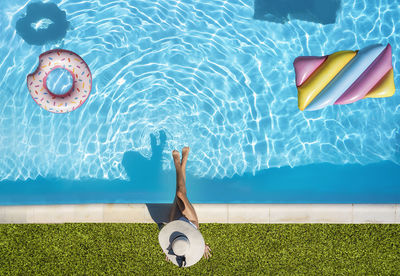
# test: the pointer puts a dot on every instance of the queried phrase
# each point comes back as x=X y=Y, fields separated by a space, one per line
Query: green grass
x=315 y=249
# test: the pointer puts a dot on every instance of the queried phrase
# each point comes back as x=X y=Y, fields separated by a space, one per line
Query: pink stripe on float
x=369 y=78
x=305 y=66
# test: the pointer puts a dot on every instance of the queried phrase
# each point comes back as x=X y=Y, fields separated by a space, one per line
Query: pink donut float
x=81 y=86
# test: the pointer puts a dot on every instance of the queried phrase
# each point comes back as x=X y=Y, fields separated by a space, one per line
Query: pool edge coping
x=207 y=213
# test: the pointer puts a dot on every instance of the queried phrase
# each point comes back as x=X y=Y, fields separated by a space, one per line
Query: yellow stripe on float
x=384 y=88
x=322 y=76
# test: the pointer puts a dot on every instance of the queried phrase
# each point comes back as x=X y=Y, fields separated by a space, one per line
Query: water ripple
x=205 y=72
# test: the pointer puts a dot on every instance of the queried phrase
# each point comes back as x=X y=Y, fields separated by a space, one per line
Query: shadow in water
x=149 y=172
x=43 y=23
x=148 y=183
x=142 y=170
x=281 y=11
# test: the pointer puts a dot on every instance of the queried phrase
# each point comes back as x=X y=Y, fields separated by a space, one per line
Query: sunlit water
x=207 y=74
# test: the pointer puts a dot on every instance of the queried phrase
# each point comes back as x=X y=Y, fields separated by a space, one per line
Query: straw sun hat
x=182 y=243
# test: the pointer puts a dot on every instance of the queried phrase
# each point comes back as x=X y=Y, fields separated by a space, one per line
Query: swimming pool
x=214 y=75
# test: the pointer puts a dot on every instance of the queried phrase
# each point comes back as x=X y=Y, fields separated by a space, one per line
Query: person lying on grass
x=180 y=239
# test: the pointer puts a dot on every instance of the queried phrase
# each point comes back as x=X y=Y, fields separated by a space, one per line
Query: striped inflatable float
x=344 y=77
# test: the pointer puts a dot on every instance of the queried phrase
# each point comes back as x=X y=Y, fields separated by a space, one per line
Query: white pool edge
x=207 y=213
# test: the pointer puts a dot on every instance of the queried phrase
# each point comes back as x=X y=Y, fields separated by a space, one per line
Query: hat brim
x=176 y=228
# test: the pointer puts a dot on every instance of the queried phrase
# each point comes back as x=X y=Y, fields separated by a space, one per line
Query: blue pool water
x=209 y=74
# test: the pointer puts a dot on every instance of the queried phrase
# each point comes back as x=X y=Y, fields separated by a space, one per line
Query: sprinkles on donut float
x=81 y=86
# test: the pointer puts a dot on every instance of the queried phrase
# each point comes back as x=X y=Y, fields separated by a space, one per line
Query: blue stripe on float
x=346 y=77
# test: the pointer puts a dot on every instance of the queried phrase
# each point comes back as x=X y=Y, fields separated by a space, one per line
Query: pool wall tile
x=212 y=213
x=51 y=214
x=3 y=218
x=310 y=213
x=248 y=213
x=92 y=213
x=374 y=213
x=13 y=214
x=124 y=212
x=207 y=213
x=85 y=213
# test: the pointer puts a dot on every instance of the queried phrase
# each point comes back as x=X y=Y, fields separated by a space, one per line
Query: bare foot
x=177 y=159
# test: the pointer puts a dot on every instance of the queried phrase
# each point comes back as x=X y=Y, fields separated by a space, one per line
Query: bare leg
x=181 y=205
x=185 y=155
x=175 y=212
x=180 y=179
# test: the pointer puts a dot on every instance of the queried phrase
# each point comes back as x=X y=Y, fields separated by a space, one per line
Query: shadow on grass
x=323 y=12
